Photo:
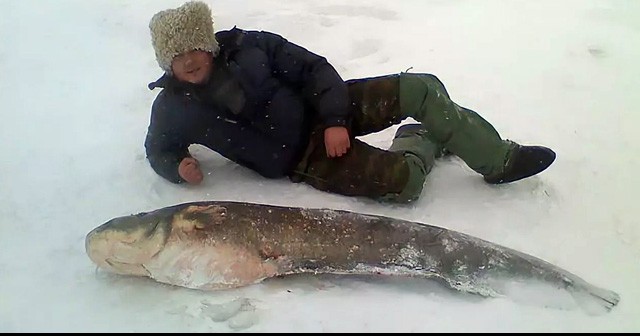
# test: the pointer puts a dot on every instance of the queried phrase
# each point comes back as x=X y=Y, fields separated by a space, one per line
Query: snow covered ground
x=74 y=108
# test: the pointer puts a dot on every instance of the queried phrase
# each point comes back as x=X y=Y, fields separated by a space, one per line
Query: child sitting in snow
x=283 y=111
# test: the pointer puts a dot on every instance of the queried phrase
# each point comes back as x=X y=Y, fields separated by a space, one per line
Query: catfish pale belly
x=217 y=244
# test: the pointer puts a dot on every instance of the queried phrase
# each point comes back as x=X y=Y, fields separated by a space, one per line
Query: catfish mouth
x=124 y=244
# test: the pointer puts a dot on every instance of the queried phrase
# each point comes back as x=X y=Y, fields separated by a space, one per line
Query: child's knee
x=422 y=82
x=415 y=183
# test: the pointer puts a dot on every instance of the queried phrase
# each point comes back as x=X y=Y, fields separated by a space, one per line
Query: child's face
x=192 y=67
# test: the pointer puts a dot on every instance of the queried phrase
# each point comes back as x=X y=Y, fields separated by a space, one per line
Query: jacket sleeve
x=321 y=84
x=167 y=141
x=164 y=145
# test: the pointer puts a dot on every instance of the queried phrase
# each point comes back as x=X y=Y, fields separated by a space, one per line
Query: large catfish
x=215 y=245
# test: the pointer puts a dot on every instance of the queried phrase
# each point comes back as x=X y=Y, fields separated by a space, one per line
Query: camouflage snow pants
x=391 y=175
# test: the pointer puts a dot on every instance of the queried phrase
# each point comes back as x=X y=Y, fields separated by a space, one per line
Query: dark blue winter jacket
x=264 y=97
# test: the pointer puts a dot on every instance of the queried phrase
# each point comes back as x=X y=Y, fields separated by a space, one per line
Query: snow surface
x=74 y=109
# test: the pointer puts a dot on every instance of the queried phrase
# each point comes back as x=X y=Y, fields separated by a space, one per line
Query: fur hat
x=178 y=30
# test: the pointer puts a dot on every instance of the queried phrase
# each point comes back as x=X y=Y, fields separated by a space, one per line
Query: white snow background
x=74 y=109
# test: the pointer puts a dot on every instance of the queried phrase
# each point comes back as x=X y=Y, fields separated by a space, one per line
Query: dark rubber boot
x=524 y=161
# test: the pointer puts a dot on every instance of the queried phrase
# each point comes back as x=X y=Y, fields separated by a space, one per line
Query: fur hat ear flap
x=179 y=30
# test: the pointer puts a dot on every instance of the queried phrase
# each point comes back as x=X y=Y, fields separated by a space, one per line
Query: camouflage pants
x=364 y=170
x=390 y=175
